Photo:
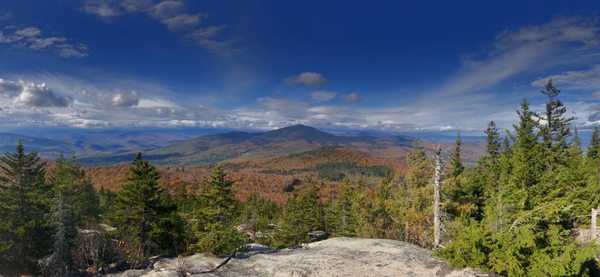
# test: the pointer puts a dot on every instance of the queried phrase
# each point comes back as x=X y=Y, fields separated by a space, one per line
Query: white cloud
x=528 y=49
x=181 y=21
x=34 y=39
x=39 y=95
x=172 y=14
x=10 y=86
x=122 y=99
x=29 y=32
x=306 y=78
x=351 y=97
x=322 y=95
x=587 y=79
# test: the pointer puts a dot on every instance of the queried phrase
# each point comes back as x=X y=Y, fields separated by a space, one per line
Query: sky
x=381 y=66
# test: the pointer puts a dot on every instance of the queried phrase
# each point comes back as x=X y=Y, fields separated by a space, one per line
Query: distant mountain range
x=172 y=148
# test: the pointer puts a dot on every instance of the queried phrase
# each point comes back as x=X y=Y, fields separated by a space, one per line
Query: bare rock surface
x=332 y=257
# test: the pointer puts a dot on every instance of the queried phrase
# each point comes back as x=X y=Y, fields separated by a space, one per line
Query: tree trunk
x=436 y=197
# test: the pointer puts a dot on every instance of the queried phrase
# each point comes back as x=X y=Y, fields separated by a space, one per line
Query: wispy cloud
x=351 y=97
x=306 y=78
x=322 y=95
x=174 y=15
x=34 y=39
x=586 y=79
x=122 y=99
x=529 y=49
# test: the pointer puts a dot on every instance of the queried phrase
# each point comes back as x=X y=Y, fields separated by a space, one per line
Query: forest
x=515 y=212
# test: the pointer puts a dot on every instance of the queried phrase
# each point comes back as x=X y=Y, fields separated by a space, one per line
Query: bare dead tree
x=436 y=197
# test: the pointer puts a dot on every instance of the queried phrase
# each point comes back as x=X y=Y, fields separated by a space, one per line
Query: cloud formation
x=34 y=39
x=579 y=79
x=39 y=95
x=306 y=78
x=173 y=15
x=351 y=97
x=322 y=95
x=562 y=41
x=122 y=99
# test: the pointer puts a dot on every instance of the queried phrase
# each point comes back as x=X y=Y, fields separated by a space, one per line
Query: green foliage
x=341 y=216
x=259 y=217
x=593 y=152
x=302 y=214
x=217 y=216
x=76 y=203
x=534 y=193
x=145 y=216
x=493 y=146
x=25 y=200
x=556 y=131
x=456 y=165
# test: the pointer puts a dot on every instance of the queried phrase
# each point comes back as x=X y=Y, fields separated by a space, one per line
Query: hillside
x=332 y=257
x=274 y=178
x=284 y=141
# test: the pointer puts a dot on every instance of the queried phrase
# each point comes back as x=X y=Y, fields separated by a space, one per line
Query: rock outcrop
x=332 y=257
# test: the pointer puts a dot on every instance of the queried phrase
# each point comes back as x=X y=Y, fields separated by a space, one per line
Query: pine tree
x=556 y=130
x=145 y=216
x=25 y=231
x=342 y=217
x=493 y=146
x=414 y=198
x=257 y=217
x=217 y=216
x=302 y=214
x=75 y=204
x=593 y=152
x=526 y=158
x=456 y=164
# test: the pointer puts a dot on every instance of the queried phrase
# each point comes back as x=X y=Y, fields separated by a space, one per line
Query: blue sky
x=386 y=66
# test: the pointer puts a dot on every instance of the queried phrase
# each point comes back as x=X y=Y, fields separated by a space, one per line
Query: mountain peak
x=297 y=132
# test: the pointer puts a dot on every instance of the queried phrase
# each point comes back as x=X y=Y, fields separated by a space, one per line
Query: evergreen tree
x=493 y=146
x=456 y=161
x=302 y=214
x=25 y=199
x=145 y=215
x=342 y=217
x=258 y=217
x=217 y=216
x=593 y=152
x=75 y=204
x=530 y=210
x=557 y=128
x=527 y=159
x=413 y=209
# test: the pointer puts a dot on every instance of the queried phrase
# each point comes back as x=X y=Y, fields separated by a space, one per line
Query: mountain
x=241 y=145
x=46 y=147
x=91 y=147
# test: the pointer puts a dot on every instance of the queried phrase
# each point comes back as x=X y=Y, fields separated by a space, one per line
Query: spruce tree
x=556 y=129
x=75 y=204
x=527 y=157
x=493 y=146
x=302 y=214
x=217 y=216
x=342 y=217
x=145 y=216
x=593 y=152
x=456 y=164
x=25 y=229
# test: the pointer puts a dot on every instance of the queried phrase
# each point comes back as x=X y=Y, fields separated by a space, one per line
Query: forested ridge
x=514 y=212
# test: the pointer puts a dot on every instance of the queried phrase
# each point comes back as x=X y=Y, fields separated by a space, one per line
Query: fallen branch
x=222 y=263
